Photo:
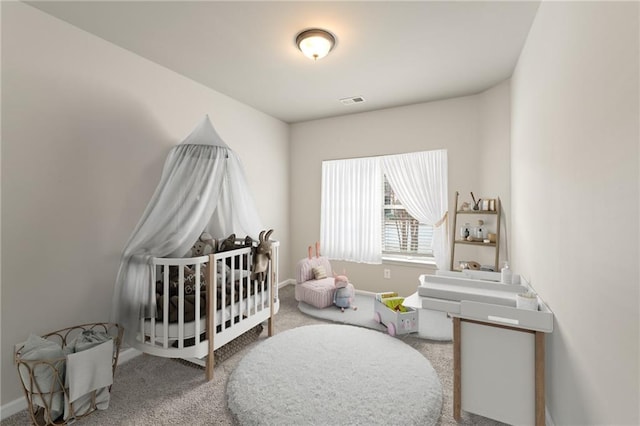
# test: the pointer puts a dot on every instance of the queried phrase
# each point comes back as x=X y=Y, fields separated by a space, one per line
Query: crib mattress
x=239 y=308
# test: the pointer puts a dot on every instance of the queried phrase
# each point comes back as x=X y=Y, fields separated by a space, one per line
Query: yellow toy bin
x=389 y=310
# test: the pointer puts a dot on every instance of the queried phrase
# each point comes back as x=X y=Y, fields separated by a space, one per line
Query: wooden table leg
x=539 y=372
x=457 y=382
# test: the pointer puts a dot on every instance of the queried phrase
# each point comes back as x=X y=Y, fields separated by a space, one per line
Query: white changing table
x=498 y=349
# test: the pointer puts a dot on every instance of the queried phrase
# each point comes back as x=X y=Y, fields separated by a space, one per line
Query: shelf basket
x=40 y=400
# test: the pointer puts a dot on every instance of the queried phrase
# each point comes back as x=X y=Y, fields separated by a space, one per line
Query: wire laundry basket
x=40 y=400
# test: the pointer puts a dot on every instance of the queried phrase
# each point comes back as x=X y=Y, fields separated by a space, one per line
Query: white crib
x=238 y=304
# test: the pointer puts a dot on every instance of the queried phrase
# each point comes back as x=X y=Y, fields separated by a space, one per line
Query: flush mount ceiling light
x=315 y=43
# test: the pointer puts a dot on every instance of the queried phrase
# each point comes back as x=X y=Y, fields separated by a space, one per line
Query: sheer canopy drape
x=202 y=188
x=351 y=220
x=419 y=179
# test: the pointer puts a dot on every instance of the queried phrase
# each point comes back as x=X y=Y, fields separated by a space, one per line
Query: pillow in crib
x=319 y=272
x=189 y=281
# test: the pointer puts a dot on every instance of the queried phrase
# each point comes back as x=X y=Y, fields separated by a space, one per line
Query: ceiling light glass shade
x=315 y=43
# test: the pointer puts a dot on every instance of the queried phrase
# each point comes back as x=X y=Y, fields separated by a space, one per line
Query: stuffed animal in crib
x=228 y=243
x=344 y=295
x=204 y=246
x=262 y=256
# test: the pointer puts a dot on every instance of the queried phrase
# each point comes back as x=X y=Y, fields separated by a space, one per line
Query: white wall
x=574 y=193
x=86 y=129
x=495 y=133
x=460 y=125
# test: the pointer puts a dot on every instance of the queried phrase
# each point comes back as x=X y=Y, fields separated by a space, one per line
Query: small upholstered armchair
x=315 y=283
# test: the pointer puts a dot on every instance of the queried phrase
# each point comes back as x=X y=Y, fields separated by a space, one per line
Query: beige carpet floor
x=149 y=390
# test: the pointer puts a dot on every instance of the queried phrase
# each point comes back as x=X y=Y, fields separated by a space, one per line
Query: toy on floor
x=389 y=310
x=344 y=295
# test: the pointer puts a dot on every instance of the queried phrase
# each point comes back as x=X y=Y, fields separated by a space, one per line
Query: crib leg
x=210 y=362
x=209 y=367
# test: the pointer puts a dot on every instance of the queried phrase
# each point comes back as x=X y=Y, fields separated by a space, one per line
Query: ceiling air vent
x=352 y=100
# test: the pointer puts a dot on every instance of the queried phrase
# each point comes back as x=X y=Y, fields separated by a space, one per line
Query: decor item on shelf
x=480 y=230
x=476 y=204
x=315 y=43
x=506 y=274
x=527 y=300
x=469 y=264
x=492 y=237
x=465 y=231
x=465 y=207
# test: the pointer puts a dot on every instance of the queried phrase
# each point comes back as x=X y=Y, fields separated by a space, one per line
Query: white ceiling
x=390 y=53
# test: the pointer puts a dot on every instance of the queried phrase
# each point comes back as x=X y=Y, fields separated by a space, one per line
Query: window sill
x=409 y=261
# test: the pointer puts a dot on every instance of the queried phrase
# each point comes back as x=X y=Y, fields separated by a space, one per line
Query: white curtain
x=351 y=216
x=202 y=187
x=419 y=179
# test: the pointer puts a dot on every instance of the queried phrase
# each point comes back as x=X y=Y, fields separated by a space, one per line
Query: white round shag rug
x=334 y=374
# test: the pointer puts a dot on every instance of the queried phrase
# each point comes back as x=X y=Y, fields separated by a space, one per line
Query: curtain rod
x=383 y=155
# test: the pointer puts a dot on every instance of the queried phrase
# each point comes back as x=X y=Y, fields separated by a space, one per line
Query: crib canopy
x=203 y=188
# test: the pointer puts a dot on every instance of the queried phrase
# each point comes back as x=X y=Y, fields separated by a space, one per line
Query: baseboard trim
x=127 y=355
x=13 y=407
x=366 y=293
x=10 y=408
x=547 y=417
x=286 y=282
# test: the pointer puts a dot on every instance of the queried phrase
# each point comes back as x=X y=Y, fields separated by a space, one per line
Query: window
x=362 y=219
x=403 y=237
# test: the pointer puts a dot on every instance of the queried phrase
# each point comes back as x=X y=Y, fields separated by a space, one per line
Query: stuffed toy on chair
x=344 y=295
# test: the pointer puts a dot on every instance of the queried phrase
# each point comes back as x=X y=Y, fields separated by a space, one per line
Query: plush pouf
x=334 y=374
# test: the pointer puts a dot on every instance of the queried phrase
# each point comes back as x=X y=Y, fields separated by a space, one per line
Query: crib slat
x=152 y=300
x=165 y=307
x=273 y=288
x=212 y=271
x=180 y=307
x=197 y=303
x=233 y=290
x=223 y=291
x=240 y=281
x=260 y=293
x=255 y=295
